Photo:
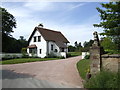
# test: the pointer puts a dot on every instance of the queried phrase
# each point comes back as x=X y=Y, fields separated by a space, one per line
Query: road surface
x=45 y=74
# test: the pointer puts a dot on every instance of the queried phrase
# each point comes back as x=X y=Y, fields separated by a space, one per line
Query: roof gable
x=50 y=35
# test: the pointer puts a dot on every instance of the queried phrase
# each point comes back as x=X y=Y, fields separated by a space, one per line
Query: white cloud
x=40 y=6
x=19 y=12
x=29 y=8
x=51 y=6
x=25 y=24
x=76 y=6
x=57 y=0
x=16 y=10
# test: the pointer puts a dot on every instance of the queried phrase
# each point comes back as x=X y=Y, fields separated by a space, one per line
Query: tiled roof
x=32 y=46
x=50 y=35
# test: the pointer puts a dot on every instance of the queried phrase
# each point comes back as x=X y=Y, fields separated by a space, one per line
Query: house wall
x=54 y=47
x=40 y=45
x=58 y=53
x=45 y=46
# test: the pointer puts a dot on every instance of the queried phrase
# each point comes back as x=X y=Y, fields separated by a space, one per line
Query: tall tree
x=107 y=44
x=110 y=21
x=23 y=42
x=79 y=45
x=71 y=48
x=88 y=44
x=76 y=44
x=8 y=23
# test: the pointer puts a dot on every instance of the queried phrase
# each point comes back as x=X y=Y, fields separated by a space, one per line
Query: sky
x=74 y=19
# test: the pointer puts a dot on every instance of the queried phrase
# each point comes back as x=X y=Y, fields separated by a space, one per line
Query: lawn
x=74 y=53
x=83 y=66
x=25 y=60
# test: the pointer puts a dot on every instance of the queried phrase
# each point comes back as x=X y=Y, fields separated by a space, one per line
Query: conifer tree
x=110 y=21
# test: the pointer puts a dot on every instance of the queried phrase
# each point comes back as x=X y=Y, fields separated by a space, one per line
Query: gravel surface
x=57 y=74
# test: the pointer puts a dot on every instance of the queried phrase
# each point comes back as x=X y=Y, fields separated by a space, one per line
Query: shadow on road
x=10 y=74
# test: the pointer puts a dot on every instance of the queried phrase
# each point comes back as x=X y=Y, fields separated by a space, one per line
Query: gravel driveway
x=61 y=72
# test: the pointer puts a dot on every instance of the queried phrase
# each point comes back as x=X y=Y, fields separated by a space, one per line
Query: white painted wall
x=63 y=54
x=40 y=45
x=58 y=53
x=54 y=47
x=43 y=45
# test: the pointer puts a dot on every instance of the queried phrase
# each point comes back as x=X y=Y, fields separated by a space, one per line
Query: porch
x=32 y=50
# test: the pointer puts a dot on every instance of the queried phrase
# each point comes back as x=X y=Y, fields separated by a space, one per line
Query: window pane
x=52 y=47
x=62 y=49
x=39 y=38
x=34 y=39
x=56 y=50
x=40 y=51
x=30 y=50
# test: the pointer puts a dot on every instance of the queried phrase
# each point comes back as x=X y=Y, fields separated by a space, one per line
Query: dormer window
x=39 y=38
x=34 y=39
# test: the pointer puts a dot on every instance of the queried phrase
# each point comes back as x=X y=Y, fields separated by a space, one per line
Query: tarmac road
x=45 y=74
x=11 y=79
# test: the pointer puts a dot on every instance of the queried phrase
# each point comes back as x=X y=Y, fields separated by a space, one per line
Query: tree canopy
x=8 y=21
x=107 y=44
x=110 y=21
x=10 y=44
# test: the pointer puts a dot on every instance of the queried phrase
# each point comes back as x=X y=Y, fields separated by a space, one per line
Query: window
x=62 y=50
x=51 y=46
x=56 y=50
x=30 y=50
x=34 y=39
x=33 y=50
x=40 y=51
x=39 y=38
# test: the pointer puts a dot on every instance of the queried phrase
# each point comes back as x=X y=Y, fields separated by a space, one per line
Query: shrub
x=24 y=50
x=25 y=56
x=68 y=55
x=61 y=57
x=15 y=56
x=51 y=55
x=104 y=79
x=6 y=57
x=86 y=49
x=87 y=57
x=24 y=53
x=108 y=51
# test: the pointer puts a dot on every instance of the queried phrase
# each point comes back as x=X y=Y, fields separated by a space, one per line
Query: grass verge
x=83 y=66
x=74 y=53
x=104 y=79
x=25 y=60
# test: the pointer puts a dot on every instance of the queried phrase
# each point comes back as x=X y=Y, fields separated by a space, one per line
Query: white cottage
x=44 y=42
